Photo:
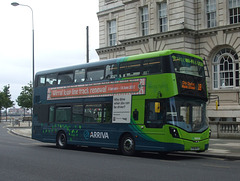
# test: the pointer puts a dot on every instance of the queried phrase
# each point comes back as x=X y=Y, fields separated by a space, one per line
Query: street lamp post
x=17 y=4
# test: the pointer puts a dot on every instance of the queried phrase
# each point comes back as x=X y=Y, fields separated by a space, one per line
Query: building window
x=144 y=21
x=211 y=13
x=234 y=11
x=163 y=21
x=112 y=33
x=225 y=69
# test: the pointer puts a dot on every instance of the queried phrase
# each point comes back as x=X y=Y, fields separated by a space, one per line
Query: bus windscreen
x=188 y=65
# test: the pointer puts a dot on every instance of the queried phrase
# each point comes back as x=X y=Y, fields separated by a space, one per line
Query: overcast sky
x=60 y=37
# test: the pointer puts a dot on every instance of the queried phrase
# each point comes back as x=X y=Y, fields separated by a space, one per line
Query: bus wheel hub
x=128 y=144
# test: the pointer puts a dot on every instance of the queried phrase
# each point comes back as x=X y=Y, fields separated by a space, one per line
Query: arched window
x=225 y=69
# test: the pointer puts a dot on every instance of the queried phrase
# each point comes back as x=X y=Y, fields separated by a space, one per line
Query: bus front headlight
x=174 y=132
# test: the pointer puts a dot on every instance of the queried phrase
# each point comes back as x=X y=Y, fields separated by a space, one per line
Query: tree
x=5 y=98
x=2 y=98
x=24 y=100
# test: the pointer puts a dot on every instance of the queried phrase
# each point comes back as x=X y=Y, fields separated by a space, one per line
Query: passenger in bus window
x=79 y=75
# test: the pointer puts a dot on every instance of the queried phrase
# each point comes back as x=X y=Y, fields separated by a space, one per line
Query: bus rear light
x=174 y=132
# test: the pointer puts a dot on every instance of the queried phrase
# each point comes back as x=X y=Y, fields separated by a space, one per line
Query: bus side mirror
x=135 y=115
x=157 y=107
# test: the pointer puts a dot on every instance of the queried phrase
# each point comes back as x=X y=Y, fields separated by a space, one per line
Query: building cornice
x=128 y=1
x=145 y=39
x=111 y=10
x=165 y=35
x=212 y=31
x=110 y=49
x=169 y=34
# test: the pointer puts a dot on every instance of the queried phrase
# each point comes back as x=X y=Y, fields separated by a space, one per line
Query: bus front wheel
x=127 y=145
x=61 y=140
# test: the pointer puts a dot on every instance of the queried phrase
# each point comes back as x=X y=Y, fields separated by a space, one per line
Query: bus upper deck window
x=41 y=81
x=51 y=79
x=152 y=66
x=188 y=65
x=130 y=69
x=111 y=71
x=65 y=78
x=95 y=73
x=79 y=75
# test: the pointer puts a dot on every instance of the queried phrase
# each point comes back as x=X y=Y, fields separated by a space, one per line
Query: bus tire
x=163 y=153
x=61 y=140
x=127 y=145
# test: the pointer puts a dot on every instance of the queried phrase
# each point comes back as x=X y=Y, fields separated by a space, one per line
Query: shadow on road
x=174 y=156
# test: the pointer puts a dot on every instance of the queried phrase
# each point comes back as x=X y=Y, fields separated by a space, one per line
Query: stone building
x=208 y=28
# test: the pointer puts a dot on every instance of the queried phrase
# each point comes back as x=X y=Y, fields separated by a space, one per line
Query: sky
x=59 y=38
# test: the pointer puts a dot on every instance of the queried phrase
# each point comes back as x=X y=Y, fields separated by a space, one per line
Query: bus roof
x=115 y=60
x=159 y=53
x=79 y=66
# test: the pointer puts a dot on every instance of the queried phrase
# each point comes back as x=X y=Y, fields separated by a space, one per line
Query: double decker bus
x=149 y=102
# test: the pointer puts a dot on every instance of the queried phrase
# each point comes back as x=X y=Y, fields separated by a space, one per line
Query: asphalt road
x=23 y=159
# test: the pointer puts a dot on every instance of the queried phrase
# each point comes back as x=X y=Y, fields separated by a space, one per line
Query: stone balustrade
x=225 y=129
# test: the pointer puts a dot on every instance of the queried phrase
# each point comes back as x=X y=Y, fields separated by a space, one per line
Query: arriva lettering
x=100 y=135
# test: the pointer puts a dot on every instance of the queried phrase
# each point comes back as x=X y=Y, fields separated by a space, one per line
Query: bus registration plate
x=195 y=148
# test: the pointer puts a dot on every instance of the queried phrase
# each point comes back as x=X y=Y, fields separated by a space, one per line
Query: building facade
x=208 y=28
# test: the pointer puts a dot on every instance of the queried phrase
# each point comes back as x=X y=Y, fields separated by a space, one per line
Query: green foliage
x=5 y=97
x=2 y=98
x=25 y=98
x=1 y=104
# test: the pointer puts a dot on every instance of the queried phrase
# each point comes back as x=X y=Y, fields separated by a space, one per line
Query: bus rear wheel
x=127 y=145
x=61 y=140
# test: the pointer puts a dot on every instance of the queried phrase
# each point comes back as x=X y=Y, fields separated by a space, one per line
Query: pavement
x=23 y=129
x=218 y=148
